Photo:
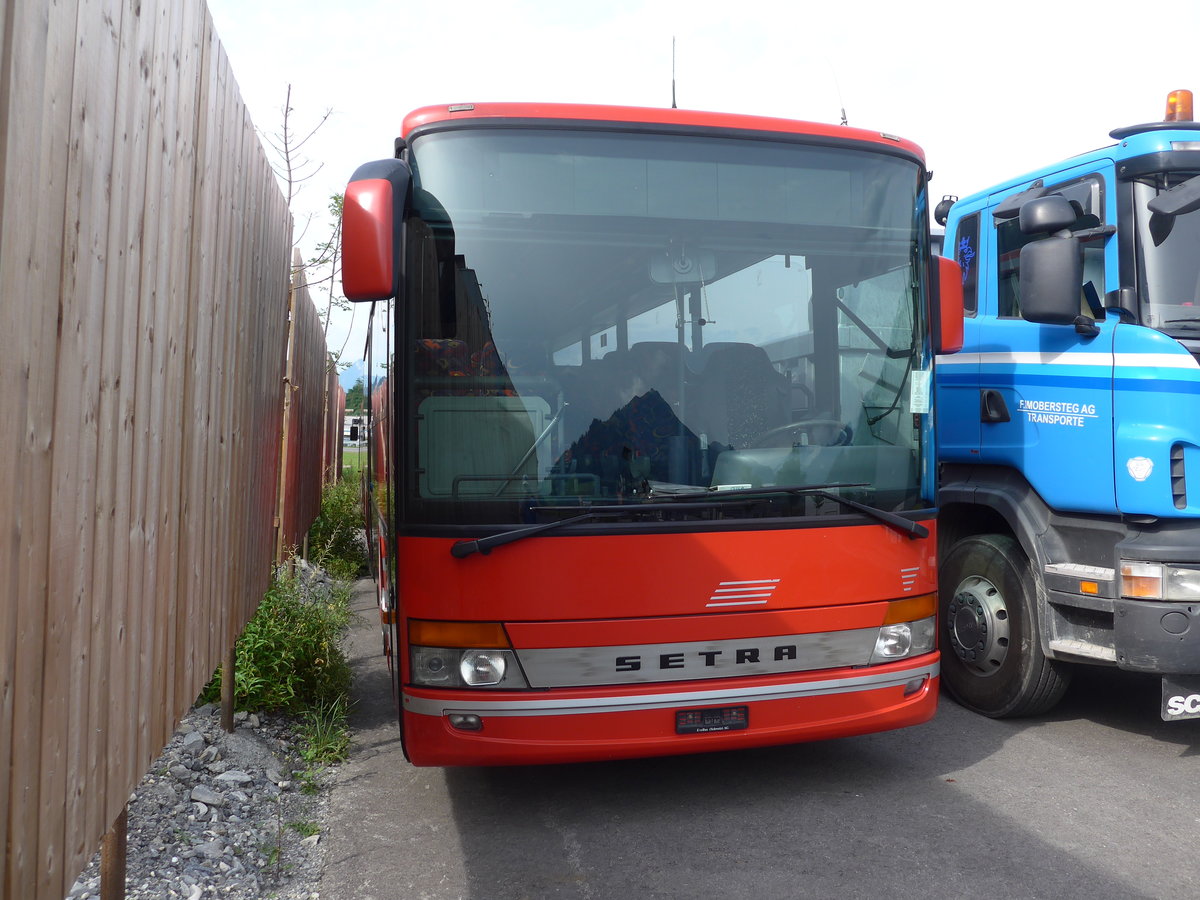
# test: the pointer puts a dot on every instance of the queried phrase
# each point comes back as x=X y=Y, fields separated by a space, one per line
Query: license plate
x=706 y=721
x=1180 y=697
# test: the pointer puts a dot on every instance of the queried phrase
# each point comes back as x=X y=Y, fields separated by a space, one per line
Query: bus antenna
x=838 y=87
x=673 y=106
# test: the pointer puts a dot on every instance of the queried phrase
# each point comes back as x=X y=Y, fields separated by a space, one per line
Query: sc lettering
x=1179 y=705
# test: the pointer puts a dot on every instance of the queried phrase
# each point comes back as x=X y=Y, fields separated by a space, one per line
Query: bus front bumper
x=460 y=728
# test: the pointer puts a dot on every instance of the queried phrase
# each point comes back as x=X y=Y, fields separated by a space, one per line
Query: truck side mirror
x=1051 y=273
x=949 y=320
x=1046 y=215
x=372 y=214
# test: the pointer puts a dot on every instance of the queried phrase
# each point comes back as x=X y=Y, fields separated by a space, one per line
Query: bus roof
x=672 y=118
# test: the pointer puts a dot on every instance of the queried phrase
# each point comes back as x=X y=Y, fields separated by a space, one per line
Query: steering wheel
x=840 y=431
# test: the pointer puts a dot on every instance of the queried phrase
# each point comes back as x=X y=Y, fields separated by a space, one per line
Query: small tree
x=294 y=168
x=356 y=397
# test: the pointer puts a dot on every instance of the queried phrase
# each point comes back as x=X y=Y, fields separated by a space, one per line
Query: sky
x=988 y=90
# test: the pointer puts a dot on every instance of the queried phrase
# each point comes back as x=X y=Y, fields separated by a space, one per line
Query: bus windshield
x=607 y=317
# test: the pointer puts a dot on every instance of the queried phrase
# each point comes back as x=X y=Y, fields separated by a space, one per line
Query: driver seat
x=738 y=394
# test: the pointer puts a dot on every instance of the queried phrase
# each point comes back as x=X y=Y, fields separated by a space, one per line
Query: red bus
x=652 y=461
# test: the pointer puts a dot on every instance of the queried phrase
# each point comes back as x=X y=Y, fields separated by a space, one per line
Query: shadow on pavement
x=896 y=815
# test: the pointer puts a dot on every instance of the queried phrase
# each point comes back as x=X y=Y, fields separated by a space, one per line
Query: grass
x=289 y=657
x=354 y=459
x=334 y=541
x=305 y=829
x=323 y=729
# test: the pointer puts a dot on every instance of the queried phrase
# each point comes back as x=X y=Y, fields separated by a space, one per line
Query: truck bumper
x=1163 y=638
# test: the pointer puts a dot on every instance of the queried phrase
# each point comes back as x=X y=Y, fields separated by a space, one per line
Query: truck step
x=1084 y=649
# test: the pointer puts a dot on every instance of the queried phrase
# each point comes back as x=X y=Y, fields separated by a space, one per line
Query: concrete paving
x=380 y=805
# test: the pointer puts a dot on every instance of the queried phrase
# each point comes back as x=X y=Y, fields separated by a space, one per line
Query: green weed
x=305 y=829
x=335 y=539
x=289 y=657
x=326 y=739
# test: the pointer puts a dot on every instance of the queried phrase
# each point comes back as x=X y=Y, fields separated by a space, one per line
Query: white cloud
x=988 y=90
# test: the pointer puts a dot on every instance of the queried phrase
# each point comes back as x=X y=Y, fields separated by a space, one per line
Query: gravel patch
x=234 y=816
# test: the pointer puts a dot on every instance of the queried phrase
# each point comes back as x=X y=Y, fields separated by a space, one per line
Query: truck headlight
x=1157 y=581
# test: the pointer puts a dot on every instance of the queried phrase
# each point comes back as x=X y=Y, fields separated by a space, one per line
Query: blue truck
x=1069 y=426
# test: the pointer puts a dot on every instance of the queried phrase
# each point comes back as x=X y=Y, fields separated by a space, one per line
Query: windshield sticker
x=918 y=399
x=966 y=255
x=1139 y=468
x=1055 y=412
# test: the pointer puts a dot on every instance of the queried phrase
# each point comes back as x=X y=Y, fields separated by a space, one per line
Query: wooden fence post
x=112 y=858
x=227 y=676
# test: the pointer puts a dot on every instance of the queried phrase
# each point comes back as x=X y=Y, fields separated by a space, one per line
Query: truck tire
x=992 y=659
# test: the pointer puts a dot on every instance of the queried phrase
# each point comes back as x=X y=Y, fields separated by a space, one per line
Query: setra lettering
x=710 y=659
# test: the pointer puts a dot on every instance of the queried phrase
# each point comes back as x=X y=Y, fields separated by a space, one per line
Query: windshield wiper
x=484 y=545
x=899 y=523
x=706 y=498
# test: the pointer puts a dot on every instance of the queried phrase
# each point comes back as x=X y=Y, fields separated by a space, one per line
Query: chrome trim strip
x=569 y=667
x=588 y=705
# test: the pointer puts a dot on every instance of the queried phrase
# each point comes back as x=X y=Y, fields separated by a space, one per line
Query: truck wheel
x=992 y=659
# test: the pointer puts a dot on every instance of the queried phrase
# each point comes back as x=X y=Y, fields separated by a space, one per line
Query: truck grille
x=1178 y=480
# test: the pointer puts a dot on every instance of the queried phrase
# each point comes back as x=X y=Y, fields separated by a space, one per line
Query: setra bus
x=651 y=459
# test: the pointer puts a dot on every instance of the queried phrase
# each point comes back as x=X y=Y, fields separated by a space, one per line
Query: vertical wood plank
x=70 y=670
x=186 y=65
x=123 y=301
x=194 y=414
x=38 y=106
x=151 y=335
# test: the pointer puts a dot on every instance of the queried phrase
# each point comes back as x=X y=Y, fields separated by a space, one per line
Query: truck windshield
x=1168 y=264
x=597 y=316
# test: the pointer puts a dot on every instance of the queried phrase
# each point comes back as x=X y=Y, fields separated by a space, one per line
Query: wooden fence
x=144 y=319
x=311 y=427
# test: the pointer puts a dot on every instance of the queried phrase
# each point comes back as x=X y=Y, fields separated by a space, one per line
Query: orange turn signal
x=911 y=609
x=1179 y=107
x=473 y=635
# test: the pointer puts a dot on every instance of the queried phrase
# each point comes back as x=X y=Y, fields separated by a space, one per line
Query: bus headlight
x=909 y=629
x=451 y=667
x=903 y=639
x=483 y=667
x=462 y=654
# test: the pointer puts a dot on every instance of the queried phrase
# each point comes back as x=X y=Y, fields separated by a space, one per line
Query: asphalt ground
x=1098 y=799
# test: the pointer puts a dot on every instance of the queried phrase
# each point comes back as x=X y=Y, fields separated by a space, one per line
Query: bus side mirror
x=1051 y=273
x=372 y=213
x=949 y=320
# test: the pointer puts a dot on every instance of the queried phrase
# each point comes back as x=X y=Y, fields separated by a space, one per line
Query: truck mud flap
x=1180 y=697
